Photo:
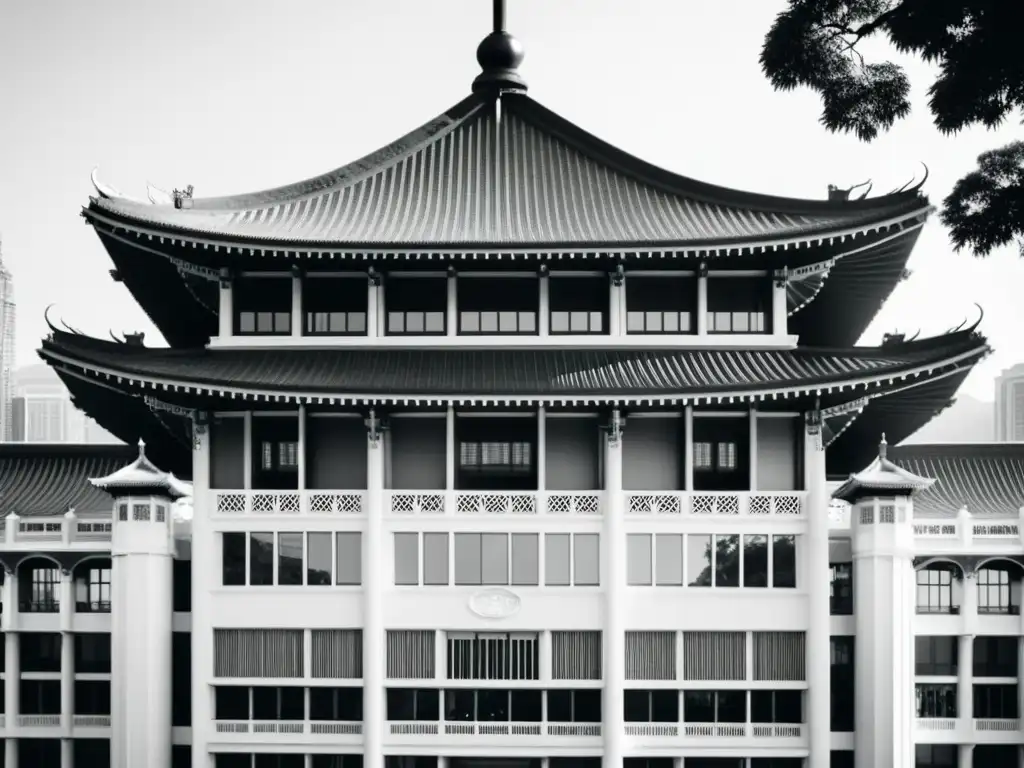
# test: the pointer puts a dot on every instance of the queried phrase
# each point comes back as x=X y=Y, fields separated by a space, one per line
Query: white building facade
x=506 y=449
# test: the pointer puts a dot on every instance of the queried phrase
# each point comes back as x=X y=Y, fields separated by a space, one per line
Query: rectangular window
x=92 y=653
x=727 y=560
x=261 y=559
x=660 y=304
x=586 y=564
x=349 y=558
x=841 y=589
x=407 y=559
x=935 y=589
x=578 y=305
x=263 y=306
x=492 y=656
x=40 y=651
x=657 y=706
x=998 y=702
x=668 y=558
x=784 y=561
x=435 y=559
x=995 y=656
x=468 y=554
x=335 y=306
x=275 y=453
x=935 y=655
x=638 y=559
x=233 y=559
x=413 y=704
x=92 y=590
x=289 y=559
x=92 y=697
x=568 y=706
x=525 y=559
x=721 y=454
x=739 y=304
x=994 y=593
x=416 y=306
x=515 y=458
x=776 y=707
x=319 y=556
x=698 y=560
x=498 y=305
x=936 y=755
x=936 y=700
x=755 y=561
x=842 y=683
x=335 y=704
x=493 y=558
x=557 y=560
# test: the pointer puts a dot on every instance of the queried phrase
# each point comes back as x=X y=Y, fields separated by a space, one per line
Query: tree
x=976 y=45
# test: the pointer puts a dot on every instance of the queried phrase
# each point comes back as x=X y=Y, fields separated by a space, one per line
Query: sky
x=235 y=96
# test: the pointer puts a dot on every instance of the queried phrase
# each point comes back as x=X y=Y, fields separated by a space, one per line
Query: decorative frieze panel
x=495 y=503
x=289 y=503
x=725 y=504
x=412 y=503
x=582 y=503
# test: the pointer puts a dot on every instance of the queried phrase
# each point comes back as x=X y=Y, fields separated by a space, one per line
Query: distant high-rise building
x=7 y=314
x=1010 y=404
x=42 y=411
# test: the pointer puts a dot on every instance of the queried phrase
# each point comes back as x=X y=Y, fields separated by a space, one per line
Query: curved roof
x=46 y=480
x=504 y=172
x=987 y=478
x=394 y=373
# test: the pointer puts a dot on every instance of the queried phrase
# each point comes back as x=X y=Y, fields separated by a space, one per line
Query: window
x=495 y=453
x=498 y=305
x=275 y=459
x=568 y=706
x=261 y=559
x=349 y=558
x=715 y=457
x=513 y=458
x=935 y=589
x=776 y=707
x=335 y=306
x=842 y=683
x=43 y=590
x=525 y=559
x=936 y=755
x=181 y=679
x=578 y=305
x=784 y=561
x=841 y=589
x=289 y=559
x=38 y=697
x=739 y=304
x=263 y=306
x=668 y=559
x=936 y=655
x=92 y=590
x=715 y=706
x=318 y=559
x=995 y=656
x=995 y=701
x=435 y=559
x=233 y=547
x=936 y=699
x=416 y=305
x=271 y=702
x=231 y=702
x=493 y=705
x=492 y=656
x=572 y=560
x=755 y=561
x=411 y=704
x=994 y=592
x=181 y=585
x=699 y=556
x=92 y=653
x=660 y=304
x=727 y=560
x=407 y=559
x=279 y=456
x=484 y=559
x=92 y=697
x=345 y=704
x=721 y=453
x=651 y=706
x=40 y=651
x=638 y=559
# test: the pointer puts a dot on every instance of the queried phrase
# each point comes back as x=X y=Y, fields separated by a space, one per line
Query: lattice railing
x=417 y=503
x=495 y=503
x=717 y=503
x=574 y=503
x=288 y=503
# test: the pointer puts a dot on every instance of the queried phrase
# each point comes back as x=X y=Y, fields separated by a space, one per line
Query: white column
x=449 y=461
x=780 y=307
x=206 y=560
x=544 y=313
x=616 y=307
x=542 y=451
x=753 y=449
x=226 y=310
x=12 y=670
x=67 y=755
x=1020 y=677
x=374 y=714
x=965 y=679
x=451 y=324
x=301 y=468
x=246 y=453
x=67 y=678
x=702 y=303
x=373 y=326
x=818 y=635
x=966 y=756
x=298 y=320
x=9 y=599
x=688 y=450
x=613 y=540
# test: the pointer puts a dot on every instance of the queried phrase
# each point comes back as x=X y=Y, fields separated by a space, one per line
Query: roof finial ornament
x=499 y=55
x=882 y=447
x=142 y=448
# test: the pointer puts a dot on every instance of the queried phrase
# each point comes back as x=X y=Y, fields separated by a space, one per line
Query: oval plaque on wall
x=495 y=603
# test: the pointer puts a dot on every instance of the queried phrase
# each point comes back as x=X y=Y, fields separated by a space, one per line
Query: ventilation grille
x=575 y=655
x=257 y=653
x=505 y=656
x=650 y=655
x=411 y=654
x=338 y=653
x=714 y=656
x=779 y=656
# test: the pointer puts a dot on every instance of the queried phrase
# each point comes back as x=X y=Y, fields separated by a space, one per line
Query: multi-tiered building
x=506 y=448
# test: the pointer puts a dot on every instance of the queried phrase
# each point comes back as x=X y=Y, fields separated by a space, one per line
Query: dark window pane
x=289 y=559
x=784 y=561
x=318 y=559
x=261 y=559
x=755 y=561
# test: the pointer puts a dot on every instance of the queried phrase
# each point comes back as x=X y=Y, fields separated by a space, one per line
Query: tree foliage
x=976 y=46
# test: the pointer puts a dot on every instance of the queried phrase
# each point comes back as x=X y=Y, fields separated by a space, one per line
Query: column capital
x=375 y=427
x=615 y=426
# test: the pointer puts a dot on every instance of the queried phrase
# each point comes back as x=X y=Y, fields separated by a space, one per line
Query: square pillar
x=780 y=303
x=544 y=303
x=965 y=678
x=613 y=555
x=451 y=320
x=297 y=311
x=226 y=309
x=67 y=680
x=374 y=712
x=818 y=661
x=702 y=300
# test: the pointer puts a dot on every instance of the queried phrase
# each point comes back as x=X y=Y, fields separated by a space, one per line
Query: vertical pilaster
x=298 y=315
x=246 y=452
x=702 y=300
x=301 y=468
x=966 y=756
x=226 y=309
x=617 y=304
x=613 y=539
x=12 y=668
x=818 y=635
x=688 y=449
x=1020 y=678
x=67 y=679
x=544 y=301
x=780 y=304
x=205 y=561
x=753 y=450
x=965 y=679
x=542 y=450
x=449 y=460
x=451 y=324
x=374 y=715
x=373 y=306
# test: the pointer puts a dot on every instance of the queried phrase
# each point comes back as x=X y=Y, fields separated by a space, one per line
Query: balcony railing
x=996 y=724
x=100 y=606
x=758 y=504
x=717 y=730
x=512 y=730
x=38 y=721
x=31 y=532
x=91 y=721
x=290 y=727
x=290 y=503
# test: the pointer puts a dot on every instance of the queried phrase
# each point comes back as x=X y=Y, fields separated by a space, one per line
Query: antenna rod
x=499 y=15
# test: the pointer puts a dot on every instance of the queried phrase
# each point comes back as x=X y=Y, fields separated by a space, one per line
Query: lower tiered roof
x=125 y=386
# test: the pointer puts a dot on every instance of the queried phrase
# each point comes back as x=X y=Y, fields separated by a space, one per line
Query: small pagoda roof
x=546 y=374
x=501 y=173
x=882 y=477
x=986 y=478
x=49 y=479
x=141 y=477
